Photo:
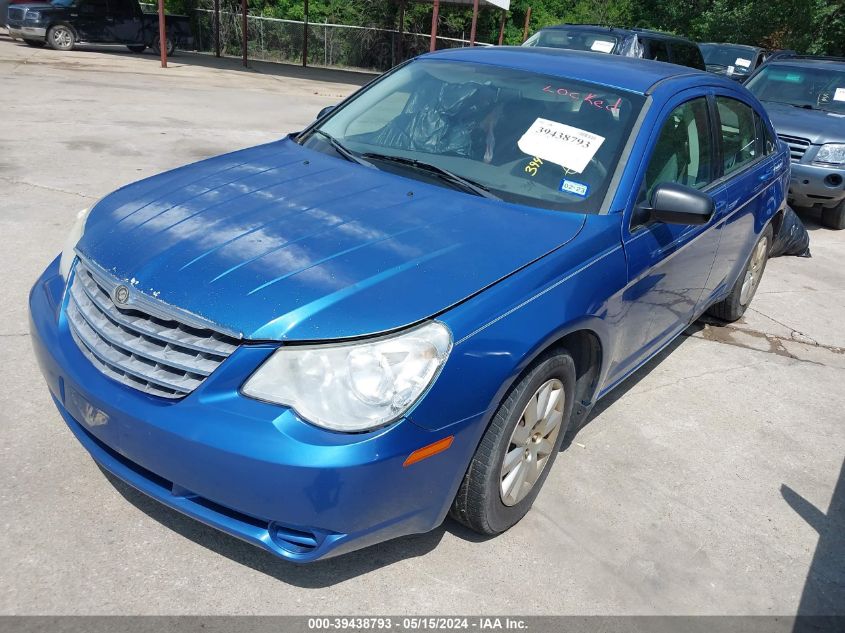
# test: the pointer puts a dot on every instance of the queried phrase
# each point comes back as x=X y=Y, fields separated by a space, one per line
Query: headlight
x=831 y=154
x=354 y=386
x=70 y=243
x=32 y=16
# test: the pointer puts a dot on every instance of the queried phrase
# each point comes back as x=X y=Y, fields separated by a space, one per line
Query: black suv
x=736 y=61
x=64 y=23
x=643 y=43
x=805 y=98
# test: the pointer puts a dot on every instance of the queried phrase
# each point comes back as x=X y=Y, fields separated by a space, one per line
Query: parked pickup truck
x=64 y=23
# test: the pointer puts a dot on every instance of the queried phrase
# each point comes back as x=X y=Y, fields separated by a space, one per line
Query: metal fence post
x=162 y=34
x=305 y=36
x=245 y=30
x=434 y=16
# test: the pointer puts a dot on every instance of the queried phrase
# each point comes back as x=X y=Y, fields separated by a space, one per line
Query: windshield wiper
x=464 y=183
x=343 y=151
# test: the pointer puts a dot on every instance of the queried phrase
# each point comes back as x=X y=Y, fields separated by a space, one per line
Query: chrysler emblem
x=121 y=295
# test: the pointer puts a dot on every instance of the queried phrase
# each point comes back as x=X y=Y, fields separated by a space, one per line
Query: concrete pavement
x=691 y=490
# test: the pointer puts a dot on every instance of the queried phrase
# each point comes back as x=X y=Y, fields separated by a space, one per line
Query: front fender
x=504 y=329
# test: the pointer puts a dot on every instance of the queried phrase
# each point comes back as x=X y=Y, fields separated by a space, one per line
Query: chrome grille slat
x=133 y=343
x=161 y=356
x=125 y=362
x=797 y=146
x=144 y=324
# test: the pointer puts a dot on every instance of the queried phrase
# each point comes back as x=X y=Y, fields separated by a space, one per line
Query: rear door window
x=687 y=55
x=657 y=50
x=739 y=134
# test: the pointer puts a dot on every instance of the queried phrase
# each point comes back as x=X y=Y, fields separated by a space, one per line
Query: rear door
x=124 y=21
x=749 y=166
x=90 y=20
x=668 y=264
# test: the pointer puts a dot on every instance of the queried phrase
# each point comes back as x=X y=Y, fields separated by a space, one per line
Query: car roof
x=615 y=30
x=628 y=73
x=836 y=63
x=732 y=45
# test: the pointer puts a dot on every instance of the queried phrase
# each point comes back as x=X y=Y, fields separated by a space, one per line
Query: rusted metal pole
x=502 y=27
x=474 y=22
x=162 y=34
x=305 y=37
x=527 y=24
x=244 y=28
x=434 y=17
x=217 y=28
x=401 y=30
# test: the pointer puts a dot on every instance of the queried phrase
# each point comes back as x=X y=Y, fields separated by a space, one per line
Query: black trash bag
x=792 y=237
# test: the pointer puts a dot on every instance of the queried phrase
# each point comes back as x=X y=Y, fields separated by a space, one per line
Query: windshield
x=521 y=136
x=574 y=39
x=732 y=60
x=813 y=88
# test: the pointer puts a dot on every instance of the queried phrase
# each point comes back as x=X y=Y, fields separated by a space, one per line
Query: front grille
x=16 y=14
x=797 y=146
x=149 y=349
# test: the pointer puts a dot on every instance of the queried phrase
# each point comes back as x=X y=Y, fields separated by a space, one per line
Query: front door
x=668 y=264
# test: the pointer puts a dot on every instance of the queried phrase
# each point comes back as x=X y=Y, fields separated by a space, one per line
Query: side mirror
x=678 y=204
x=324 y=112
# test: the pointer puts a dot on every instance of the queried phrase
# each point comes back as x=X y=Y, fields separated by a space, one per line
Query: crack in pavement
x=809 y=340
x=14 y=181
x=726 y=334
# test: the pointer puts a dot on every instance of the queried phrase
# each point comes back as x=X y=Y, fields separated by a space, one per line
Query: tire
x=834 y=218
x=488 y=501
x=733 y=307
x=171 y=47
x=137 y=48
x=35 y=43
x=61 y=37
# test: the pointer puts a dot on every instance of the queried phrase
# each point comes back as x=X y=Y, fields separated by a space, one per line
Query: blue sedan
x=398 y=313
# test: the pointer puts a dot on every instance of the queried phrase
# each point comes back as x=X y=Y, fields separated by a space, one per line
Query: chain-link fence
x=335 y=45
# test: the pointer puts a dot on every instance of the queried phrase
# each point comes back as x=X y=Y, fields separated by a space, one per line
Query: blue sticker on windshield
x=575 y=188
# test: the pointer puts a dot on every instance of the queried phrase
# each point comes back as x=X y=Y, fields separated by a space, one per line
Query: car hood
x=816 y=125
x=285 y=243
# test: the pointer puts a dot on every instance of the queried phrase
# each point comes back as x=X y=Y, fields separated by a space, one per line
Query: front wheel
x=734 y=306
x=518 y=449
x=171 y=46
x=834 y=218
x=61 y=38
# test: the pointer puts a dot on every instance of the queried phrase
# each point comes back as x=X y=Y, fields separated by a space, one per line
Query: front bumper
x=15 y=32
x=33 y=33
x=251 y=469
x=816 y=186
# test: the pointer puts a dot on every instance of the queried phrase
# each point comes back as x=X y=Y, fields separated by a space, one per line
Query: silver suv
x=805 y=98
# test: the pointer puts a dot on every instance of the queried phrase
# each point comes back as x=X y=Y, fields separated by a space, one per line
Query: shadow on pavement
x=629 y=383
x=206 y=60
x=324 y=573
x=824 y=589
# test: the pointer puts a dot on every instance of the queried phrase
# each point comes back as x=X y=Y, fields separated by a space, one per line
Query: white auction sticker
x=602 y=46
x=564 y=145
x=742 y=62
x=839 y=95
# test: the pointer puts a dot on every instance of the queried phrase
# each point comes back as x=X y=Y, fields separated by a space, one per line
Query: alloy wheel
x=61 y=37
x=532 y=441
x=755 y=271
